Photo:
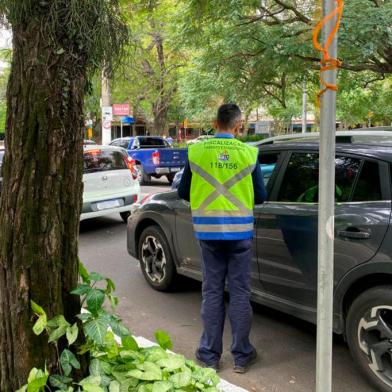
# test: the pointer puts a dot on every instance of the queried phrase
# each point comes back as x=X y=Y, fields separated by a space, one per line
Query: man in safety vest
x=223 y=181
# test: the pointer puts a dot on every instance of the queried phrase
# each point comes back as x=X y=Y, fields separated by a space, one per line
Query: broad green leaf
x=72 y=334
x=162 y=386
x=96 y=277
x=95 y=299
x=84 y=273
x=181 y=380
x=82 y=289
x=92 y=380
x=40 y=324
x=57 y=334
x=119 y=328
x=129 y=343
x=145 y=388
x=37 y=309
x=37 y=385
x=58 y=321
x=114 y=386
x=68 y=361
x=173 y=362
x=95 y=367
x=111 y=346
x=92 y=388
x=59 y=381
x=163 y=339
x=85 y=316
x=146 y=376
x=96 y=330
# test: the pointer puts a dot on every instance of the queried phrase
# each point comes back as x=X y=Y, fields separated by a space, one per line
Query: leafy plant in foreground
x=116 y=362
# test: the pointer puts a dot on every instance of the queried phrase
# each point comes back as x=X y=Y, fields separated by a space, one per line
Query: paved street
x=286 y=345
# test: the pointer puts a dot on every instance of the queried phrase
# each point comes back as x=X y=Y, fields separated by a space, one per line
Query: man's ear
x=215 y=124
x=237 y=128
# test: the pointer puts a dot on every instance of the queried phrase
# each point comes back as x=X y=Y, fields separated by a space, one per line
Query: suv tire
x=156 y=260
x=369 y=335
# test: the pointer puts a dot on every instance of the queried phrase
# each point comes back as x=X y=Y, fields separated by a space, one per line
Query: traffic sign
x=107 y=113
x=107 y=124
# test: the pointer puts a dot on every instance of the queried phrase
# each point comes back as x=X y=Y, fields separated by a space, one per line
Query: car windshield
x=101 y=160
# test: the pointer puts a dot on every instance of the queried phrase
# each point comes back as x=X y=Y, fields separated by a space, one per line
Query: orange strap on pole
x=327 y=62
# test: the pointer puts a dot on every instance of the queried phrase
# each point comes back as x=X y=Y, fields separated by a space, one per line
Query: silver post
x=304 y=107
x=121 y=127
x=326 y=223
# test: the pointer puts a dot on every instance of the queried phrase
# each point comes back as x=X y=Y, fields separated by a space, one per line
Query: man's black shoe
x=214 y=365
x=243 y=368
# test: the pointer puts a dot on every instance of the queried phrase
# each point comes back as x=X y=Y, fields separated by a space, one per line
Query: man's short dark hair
x=228 y=116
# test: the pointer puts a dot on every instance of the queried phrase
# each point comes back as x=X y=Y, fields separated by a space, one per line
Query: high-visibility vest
x=222 y=195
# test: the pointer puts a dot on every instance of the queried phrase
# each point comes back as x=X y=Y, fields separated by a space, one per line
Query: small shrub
x=116 y=362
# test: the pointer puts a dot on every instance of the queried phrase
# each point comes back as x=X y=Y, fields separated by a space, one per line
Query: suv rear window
x=101 y=160
x=148 y=142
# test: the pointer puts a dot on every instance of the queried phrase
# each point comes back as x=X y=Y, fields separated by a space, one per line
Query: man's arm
x=184 y=189
x=258 y=185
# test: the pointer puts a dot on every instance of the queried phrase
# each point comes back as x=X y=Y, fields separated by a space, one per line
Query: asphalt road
x=286 y=345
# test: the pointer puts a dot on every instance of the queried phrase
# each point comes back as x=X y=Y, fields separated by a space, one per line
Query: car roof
x=353 y=136
x=382 y=152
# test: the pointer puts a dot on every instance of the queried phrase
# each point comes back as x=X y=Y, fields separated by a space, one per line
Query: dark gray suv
x=284 y=270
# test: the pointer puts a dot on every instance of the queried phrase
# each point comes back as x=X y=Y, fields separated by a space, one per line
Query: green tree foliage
x=258 y=52
x=151 y=67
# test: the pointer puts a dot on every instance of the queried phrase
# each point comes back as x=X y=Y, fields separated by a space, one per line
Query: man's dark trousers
x=221 y=260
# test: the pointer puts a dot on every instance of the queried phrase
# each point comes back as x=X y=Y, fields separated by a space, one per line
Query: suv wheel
x=156 y=260
x=369 y=335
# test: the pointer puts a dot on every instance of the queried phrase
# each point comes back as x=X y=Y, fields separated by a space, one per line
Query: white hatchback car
x=110 y=182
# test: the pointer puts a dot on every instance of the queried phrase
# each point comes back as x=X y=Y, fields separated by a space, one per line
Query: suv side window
x=301 y=176
x=368 y=187
x=300 y=182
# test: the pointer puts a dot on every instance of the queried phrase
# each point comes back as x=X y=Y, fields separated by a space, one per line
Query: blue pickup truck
x=153 y=156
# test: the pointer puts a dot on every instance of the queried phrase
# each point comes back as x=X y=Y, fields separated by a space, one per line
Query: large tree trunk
x=41 y=199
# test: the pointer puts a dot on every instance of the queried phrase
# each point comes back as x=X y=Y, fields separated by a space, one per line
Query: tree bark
x=41 y=200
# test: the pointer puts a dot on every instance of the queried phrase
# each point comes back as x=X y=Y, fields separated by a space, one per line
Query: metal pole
x=304 y=108
x=326 y=222
x=121 y=126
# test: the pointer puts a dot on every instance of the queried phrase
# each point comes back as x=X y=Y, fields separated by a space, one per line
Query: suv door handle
x=354 y=233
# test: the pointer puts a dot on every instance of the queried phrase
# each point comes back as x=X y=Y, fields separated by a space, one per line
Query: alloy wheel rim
x=154 y=259
x=375 y=341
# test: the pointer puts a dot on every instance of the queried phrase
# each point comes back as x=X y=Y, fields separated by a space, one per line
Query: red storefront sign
x=121 y=109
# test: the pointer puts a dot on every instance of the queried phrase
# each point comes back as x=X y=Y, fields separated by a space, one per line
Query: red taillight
x=156 y=158
x=135 y=198
x=131 y=166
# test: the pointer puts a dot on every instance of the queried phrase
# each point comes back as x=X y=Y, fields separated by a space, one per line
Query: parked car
x=284 y=269
x=110 y=182
x=153 y=156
